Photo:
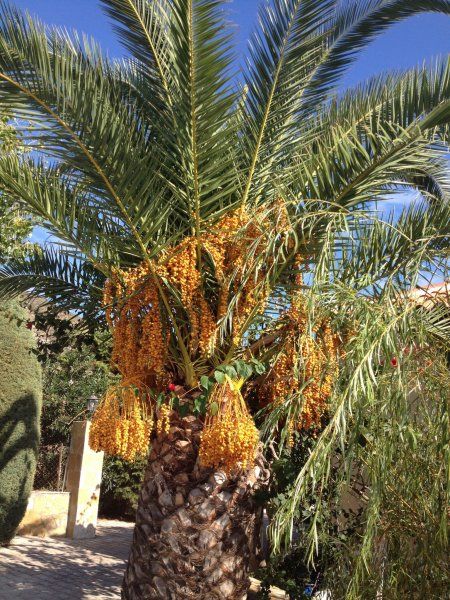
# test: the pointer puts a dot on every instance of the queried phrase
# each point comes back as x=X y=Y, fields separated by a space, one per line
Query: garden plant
x=20 y=375
x=227 y=227
x=20 y=407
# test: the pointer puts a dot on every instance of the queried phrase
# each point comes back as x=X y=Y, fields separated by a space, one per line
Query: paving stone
x=57 y=568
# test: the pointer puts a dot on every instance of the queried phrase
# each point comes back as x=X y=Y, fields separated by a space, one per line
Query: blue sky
x=406 y=44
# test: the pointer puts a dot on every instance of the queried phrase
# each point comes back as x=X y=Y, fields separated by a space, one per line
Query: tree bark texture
x=196 y=530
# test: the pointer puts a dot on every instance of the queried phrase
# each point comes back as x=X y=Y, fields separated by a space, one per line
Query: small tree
x=20 y=406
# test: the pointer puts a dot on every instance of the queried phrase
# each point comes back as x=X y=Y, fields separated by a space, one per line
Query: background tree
x=236 y=231
x=15 y=225
x=75 y=366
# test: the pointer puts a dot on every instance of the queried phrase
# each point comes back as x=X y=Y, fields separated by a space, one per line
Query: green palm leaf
x=66 y=282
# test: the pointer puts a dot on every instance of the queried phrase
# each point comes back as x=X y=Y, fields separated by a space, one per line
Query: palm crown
x=166 y=166
x=163 y=145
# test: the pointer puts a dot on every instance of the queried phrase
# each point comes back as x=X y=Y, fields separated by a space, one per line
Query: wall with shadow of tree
x=20 y=406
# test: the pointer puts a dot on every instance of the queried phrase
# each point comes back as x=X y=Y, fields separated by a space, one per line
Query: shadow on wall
x=46 y=514
x=83 y=525
x=40 y=528
x=19 y=441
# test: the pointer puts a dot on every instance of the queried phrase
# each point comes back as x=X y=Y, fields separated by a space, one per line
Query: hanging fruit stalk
x=306 y=367
x=121 y=425
x=229 y=439
x=141 y=336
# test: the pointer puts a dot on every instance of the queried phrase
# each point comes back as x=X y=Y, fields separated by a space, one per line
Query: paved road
x=35 y=568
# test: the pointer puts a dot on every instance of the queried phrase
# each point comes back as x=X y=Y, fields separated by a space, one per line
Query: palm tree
x=198 y=201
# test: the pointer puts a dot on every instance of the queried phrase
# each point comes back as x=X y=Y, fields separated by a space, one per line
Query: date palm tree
x=169 y=156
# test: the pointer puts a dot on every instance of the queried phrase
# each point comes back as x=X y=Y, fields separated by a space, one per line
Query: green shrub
x=20 y=406
x=121 y=482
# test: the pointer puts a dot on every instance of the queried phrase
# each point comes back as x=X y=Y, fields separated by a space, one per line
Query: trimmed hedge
x=20 y=407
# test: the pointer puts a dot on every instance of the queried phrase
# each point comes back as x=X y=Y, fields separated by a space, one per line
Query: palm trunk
x=196 y=530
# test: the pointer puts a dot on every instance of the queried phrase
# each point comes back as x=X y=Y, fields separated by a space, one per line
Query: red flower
x=394 y=362
x=171 y=387
x=29 y=325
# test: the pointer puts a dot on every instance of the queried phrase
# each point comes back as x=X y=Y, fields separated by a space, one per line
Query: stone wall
x=74 y=512
x=46 y=514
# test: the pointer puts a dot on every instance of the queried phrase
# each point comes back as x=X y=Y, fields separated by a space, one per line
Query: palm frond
x=381 y=131
x=49 y=79
x=395 y=246
x=68 y=282
x=297 y=54
x=67 y=209
x=282 y=49
x=404 y=98
x=202 y=66
x=350 y=28
x=143 y=27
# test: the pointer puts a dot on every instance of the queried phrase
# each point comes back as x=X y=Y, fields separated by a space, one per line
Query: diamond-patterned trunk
x=196 y=530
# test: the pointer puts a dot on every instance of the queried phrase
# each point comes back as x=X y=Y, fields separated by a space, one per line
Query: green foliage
x=76 y=368
x=371 y=533
x=401 y=545
x=14 y=230
x=20 y=407
x=238 y=369
x=70 y=378
x=15 y=225
x=121 y=482
x=367 y=499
